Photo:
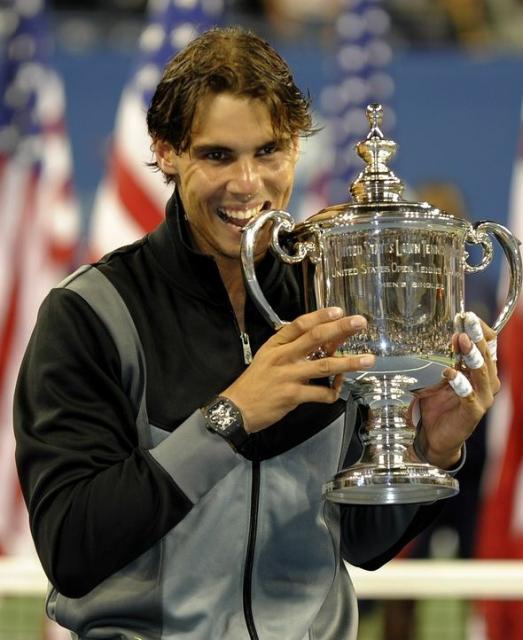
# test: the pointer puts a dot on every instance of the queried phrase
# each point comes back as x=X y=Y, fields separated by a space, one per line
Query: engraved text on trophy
x=407 y=283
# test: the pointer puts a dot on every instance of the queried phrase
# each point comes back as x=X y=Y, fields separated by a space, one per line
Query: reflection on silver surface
x=402 y=266
x=407 y=282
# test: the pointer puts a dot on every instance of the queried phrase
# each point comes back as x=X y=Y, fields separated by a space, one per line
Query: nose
x=245 y=179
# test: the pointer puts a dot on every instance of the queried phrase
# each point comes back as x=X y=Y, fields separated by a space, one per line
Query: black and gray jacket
x=148 y=526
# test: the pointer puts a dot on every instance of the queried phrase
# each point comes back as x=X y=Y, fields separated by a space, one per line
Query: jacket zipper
x=246 y=345
x=249 y=558
x=253 y=518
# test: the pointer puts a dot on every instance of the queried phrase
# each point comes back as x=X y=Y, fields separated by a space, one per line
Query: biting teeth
x=240 y=215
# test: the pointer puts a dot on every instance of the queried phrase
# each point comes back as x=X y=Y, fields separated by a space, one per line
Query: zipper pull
x=247 y=353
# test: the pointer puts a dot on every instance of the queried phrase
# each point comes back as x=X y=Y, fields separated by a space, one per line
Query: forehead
x=231 y=120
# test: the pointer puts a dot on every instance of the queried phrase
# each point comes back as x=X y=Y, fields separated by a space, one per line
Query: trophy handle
x=283 y=221
x=479 y=234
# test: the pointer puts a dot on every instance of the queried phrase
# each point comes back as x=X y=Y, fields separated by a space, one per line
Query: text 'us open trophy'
x=402 y=266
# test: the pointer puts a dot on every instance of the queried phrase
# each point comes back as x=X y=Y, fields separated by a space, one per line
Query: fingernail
x=367 y=361
x=334 y=312
x=358 y=322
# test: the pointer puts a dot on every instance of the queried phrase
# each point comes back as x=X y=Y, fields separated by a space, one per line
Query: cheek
x=283 y=175
x=195 y=185
x=284 y=187
x=188 y=175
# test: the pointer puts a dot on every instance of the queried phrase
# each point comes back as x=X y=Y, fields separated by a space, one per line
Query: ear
x=165 y=156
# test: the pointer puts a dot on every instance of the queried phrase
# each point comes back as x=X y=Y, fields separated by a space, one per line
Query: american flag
x=501 y=526
x=38 y=214
x=361 y=77
x=131 y=198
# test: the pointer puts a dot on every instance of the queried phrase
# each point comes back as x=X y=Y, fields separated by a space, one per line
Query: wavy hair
x=225 y=60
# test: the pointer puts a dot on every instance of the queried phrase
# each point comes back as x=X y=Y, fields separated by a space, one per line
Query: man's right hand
x=279 y=376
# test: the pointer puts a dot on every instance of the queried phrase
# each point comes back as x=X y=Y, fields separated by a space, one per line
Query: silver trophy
x=401 y=265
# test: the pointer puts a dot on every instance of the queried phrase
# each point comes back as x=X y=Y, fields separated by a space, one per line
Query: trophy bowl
x=401 y=265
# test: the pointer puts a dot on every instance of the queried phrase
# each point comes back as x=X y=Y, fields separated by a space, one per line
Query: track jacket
x=150 y=527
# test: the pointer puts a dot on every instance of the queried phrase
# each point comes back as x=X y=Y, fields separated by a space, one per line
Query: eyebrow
x=208 y=148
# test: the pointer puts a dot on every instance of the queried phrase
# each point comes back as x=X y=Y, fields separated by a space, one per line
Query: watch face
x=223 y=415
x=224 y=418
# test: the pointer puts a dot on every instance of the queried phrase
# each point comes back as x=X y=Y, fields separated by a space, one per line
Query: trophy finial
x=376 y=183
x=374 y=113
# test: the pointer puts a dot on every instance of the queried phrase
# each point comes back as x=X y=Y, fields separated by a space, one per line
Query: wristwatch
x=223 y=417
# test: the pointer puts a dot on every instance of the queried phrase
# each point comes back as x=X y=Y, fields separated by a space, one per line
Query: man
x=172 y=448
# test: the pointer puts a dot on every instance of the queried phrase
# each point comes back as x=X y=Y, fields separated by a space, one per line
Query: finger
x=492 y=346
x=337 y=382
x=333 y=366
x=474 y=358
x=491 y=338
x=478 y=331
x=485 y=339
x=482 y=369
x=484 y=380
x=319 y=393
x=459 y=383
x=472 y=327
x=334 y=332
x=476 y=386
x=293 y=330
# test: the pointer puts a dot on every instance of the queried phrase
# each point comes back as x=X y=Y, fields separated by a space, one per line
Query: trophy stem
x=387 y=438
x=389 y=470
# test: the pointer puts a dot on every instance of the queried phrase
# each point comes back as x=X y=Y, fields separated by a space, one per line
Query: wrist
x=444 y=459
x=224 y=418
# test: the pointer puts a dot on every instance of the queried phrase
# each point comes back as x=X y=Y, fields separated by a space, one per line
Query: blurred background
x=453 y=91
x=75 y=77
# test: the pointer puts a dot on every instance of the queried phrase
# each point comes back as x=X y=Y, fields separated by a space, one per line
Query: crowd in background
x=474 y=24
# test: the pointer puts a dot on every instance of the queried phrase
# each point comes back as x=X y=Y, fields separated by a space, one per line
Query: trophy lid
x=376 y=183
x=377 y=191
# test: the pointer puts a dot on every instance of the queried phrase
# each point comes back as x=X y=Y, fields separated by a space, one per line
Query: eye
x=216 y=155
x=268 y=149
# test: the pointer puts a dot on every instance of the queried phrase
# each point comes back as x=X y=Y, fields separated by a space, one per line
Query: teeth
x=240 y=215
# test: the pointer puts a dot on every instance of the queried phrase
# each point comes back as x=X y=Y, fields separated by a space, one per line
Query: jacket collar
x=193 y=272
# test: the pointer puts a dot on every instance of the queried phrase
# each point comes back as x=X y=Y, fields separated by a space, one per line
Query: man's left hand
x=449 y=415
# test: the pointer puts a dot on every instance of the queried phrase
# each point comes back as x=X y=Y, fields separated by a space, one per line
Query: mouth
x=240 y=217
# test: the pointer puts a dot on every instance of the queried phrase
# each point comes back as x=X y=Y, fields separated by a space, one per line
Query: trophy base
x=412 y=482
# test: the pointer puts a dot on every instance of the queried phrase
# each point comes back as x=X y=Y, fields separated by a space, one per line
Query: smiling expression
x=235 y=167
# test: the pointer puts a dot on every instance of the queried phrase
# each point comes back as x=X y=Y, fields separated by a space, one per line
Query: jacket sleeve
x=96 y=499
x=374 y=534
x=371 y=535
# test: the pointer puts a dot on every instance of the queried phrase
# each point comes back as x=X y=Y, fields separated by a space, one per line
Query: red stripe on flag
x=11 y=322
x=133 y=197
x=11 y=312
x=497 y=539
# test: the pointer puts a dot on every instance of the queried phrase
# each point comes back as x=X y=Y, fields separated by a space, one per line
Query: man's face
x=234 y=169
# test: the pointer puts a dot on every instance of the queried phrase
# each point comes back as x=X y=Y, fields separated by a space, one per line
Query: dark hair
x=232 y=60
